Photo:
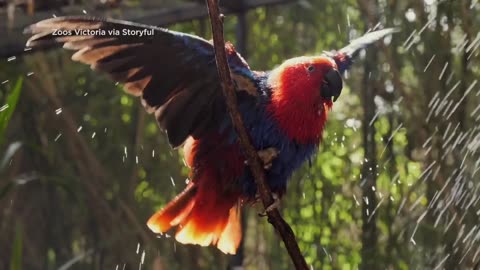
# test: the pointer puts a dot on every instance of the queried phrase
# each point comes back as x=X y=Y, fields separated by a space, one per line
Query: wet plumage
x=175 y=76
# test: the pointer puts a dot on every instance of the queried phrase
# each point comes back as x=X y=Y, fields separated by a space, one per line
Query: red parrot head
x=302 y=92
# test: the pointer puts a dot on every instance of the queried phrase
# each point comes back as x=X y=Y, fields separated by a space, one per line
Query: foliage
x=6 y=113
x=16 y=260
x=102 y=166
x=7 y=109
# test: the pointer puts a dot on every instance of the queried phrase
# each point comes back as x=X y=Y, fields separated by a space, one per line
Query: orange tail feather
x=204 y=218
x=174 y=212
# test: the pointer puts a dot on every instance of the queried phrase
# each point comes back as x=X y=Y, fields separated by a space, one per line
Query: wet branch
x=274 y=216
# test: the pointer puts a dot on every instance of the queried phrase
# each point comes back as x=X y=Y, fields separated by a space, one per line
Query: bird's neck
x=302 y=122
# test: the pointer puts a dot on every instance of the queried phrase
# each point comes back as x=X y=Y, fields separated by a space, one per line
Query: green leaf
x=9 y=107
x=16 y=259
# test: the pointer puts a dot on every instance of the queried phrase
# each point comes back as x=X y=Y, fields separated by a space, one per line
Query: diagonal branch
x=274 y=216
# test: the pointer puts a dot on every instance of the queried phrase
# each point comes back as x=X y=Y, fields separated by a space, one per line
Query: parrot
x=175 y=76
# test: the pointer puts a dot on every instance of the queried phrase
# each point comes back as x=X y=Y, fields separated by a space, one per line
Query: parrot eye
x=311 y=68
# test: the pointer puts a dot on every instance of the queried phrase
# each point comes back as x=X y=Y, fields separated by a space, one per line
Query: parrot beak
x=332 y=85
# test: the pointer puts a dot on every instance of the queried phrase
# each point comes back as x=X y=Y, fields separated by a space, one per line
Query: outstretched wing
x=173 y=73
x=344 y=57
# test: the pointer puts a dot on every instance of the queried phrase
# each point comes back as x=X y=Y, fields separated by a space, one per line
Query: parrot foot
x=273 y=206
x=267 y=156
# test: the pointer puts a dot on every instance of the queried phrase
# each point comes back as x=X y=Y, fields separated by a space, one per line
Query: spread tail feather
x=174 y=212
x=204 y=218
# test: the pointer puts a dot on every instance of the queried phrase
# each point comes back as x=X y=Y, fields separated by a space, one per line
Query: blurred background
x=395 y=186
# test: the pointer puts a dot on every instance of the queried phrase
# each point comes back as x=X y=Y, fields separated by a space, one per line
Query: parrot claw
x=273 y=206
x=267 y=156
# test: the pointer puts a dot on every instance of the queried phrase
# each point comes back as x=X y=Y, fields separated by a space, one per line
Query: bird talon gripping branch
x=175 y=76
x=275 y=205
